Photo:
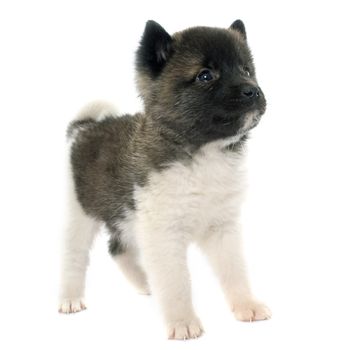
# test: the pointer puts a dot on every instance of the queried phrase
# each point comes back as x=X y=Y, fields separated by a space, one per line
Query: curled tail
x=92 y=112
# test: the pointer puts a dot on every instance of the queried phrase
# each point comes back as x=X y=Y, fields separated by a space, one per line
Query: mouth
x=223 y=120
x=251 y=120
x=244 y=122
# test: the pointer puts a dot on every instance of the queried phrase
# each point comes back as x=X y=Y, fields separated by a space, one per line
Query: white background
x=57 y=55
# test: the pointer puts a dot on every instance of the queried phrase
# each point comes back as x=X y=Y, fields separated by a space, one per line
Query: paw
x=69 y=306
x=185 y=329
x=144 y=291
x=250 y=311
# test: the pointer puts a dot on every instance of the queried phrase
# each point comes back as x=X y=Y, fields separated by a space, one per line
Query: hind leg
x=79 y=236
x=128 y=263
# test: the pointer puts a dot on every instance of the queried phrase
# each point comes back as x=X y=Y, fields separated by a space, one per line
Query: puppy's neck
x=180 y=143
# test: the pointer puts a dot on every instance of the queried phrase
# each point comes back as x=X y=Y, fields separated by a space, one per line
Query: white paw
x=69 y=306
x=144 y=291
x=185 y=329
x=251 y=310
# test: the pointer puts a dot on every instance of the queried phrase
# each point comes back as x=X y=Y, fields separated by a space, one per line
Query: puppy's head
x=199 y=82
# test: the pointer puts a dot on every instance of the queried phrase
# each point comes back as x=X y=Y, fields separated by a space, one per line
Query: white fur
x=199 y=202
x=129 y=261
x=80 y=229
x=79 y=235
x=249 y=119
x=97 y=110
x=129 y=264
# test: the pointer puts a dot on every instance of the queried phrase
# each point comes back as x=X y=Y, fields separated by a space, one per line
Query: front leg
x=163 y=253
x=224 y=250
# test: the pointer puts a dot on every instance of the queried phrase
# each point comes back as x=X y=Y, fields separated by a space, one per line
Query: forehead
x=210 y=46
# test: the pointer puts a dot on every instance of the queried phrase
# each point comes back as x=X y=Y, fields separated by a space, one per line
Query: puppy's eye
x=246 y=70
x=205 y=75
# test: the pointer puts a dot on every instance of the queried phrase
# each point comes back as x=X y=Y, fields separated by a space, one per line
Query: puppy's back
x=100 y=162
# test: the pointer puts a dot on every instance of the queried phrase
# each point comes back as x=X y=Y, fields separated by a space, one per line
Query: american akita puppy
x=172 y=175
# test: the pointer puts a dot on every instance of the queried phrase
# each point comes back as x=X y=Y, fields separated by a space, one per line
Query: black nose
x=249 y=91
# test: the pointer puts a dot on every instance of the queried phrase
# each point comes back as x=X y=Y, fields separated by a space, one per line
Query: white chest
x=194 y=196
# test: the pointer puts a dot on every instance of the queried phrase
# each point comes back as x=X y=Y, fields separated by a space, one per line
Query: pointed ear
x=238 y=26
x=154 y=50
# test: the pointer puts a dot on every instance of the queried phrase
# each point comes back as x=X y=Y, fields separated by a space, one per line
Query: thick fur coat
x=170 y=176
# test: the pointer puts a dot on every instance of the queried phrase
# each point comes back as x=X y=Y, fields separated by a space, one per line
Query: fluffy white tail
x=92 y=112
x=96 y=110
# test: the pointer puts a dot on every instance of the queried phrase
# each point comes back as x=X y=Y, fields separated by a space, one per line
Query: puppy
x=170 y=176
